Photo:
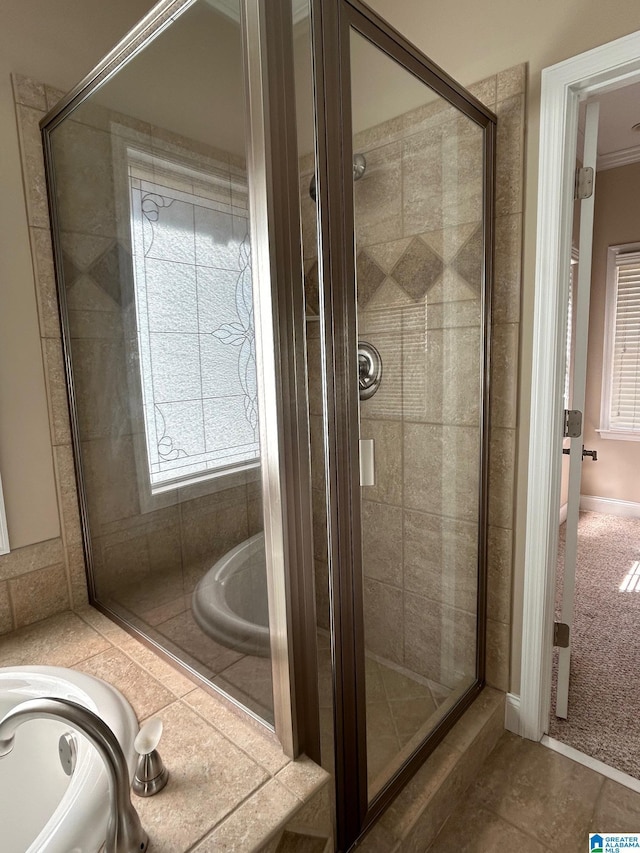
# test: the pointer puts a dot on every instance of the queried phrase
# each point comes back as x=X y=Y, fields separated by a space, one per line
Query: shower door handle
x=367 y=462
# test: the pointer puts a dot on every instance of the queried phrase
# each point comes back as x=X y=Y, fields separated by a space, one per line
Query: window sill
x=618 y=435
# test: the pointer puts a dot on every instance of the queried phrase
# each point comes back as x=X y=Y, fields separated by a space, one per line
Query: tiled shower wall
x=174 y=542
x=418 y=276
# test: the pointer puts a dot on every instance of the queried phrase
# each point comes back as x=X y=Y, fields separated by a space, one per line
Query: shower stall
x=272 y=230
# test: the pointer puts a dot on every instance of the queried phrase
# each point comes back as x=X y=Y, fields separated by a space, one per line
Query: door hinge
x=572 y=423
x=561 y=635
x=584 y=183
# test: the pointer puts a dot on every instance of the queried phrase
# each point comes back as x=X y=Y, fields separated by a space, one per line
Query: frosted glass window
x=194 y=322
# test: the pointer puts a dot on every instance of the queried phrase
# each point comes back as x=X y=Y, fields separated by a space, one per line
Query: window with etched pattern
x=194 y=320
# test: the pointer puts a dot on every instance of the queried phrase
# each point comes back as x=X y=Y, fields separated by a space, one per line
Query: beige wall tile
x=485 y=91
x=378 y=197
x=6 y=616
x=439 y=641
x=423 y=464
x=39 y=594
x=441 y=465
x=387 y=437
x=68 y=496
x=46 y=289
x=383 y=620
x=33 y=165
x=382 y=542
x=28 y=92
x=210 y=528
x=83 y=206
x=56 y=391
x=102 y=391
x=441 y=558
x=510 y=155
x=442 y=376
x=77 y=573
x=500 y=557
x=31 y=557
x=421 y=182
x=504 y=375
x=511 y=81
x=501 y=477
x=505 y=306
x=498 y=640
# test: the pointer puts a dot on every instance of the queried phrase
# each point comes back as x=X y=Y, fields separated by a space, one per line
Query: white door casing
x=609 y=66
x=583 y=294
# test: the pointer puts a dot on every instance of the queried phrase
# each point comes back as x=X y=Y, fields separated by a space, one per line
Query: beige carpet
x=604 y=688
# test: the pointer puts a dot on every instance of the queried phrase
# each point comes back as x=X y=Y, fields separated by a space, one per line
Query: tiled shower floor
x=401 y=706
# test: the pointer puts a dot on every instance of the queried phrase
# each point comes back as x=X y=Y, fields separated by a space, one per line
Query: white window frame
x=605 y=431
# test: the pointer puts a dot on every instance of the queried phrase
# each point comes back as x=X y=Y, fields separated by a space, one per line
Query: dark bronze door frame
x=333 y=21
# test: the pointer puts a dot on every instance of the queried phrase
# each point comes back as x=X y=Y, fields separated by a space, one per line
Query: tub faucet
x=124 y=830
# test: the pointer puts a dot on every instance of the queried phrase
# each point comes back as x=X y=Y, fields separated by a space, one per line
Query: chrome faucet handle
x=151 y=775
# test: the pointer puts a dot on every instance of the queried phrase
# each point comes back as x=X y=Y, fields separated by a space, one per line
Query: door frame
x=332 y=23
x=564 y=85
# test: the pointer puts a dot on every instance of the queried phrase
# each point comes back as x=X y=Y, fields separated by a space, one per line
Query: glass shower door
x=406 y=328
x=418 y=214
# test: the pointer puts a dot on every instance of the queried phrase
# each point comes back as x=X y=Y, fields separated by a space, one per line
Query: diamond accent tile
x=448 y=242
x=370 y=277
x=114 y=274
x=389 y=294
x=69 y=270
x=387 y=255
x=468 y=262
x=418 y=269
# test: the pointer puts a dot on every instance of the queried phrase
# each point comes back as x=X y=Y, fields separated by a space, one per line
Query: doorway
x=565 y=85
x=607 y=546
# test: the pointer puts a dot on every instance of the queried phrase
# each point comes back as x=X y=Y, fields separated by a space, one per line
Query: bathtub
x=42 y=810
x=230 y=601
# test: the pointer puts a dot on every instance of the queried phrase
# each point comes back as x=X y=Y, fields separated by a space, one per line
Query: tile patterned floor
x=530 y=799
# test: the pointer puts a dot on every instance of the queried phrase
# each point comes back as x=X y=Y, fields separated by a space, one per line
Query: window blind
x=624 y=408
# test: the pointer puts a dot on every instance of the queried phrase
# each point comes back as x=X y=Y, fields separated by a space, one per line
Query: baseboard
x=592 y=763
x=610 y=506
x=563 y=513
x=512 y=713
